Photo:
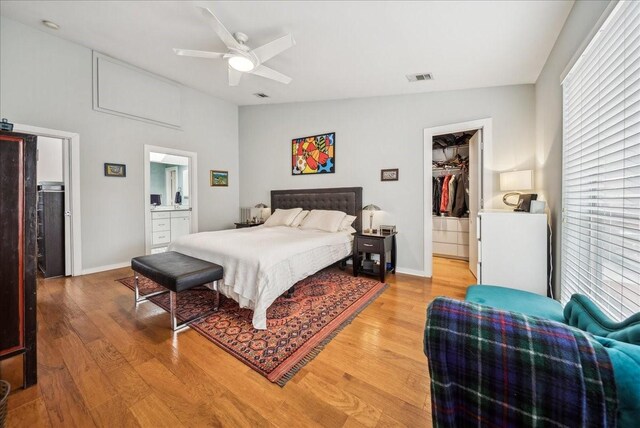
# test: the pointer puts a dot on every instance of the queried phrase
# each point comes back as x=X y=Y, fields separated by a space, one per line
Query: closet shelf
x=447 y=168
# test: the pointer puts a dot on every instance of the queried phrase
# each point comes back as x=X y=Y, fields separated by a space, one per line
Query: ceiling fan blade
x=271 y=49
x=234 y=76
x=220 y=29
x=270 y=73
x=198 y=54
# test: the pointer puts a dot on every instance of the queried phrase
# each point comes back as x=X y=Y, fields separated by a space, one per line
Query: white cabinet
x=180 y=226
x=167 y=226
x=451 y=237
x=512 y=250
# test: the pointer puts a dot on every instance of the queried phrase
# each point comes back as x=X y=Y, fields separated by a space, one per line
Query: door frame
x=167 y=184
x=485 y=171
x=193 y=188
x=73 y=236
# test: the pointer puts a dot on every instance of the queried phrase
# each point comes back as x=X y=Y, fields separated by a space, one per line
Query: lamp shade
x=516 y=180
x=371 y=207
x=261 y=205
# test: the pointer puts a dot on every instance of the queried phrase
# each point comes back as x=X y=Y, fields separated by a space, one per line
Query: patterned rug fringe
x=320 y=346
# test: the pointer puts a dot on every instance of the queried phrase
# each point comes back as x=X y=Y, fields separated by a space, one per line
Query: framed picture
x=314 y=155
x=389 y=174
x=115 y=170
x=219 y=178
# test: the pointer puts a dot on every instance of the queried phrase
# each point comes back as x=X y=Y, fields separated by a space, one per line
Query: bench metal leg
x=173 y=301
x=140 y=299
x=290 y=292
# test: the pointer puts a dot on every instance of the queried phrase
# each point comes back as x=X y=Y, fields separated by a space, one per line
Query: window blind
x=601 y=168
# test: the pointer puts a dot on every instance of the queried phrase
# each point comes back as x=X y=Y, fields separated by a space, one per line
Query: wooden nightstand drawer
x=370 y=245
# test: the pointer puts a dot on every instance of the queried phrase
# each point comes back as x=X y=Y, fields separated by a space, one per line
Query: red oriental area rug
x=297 y=328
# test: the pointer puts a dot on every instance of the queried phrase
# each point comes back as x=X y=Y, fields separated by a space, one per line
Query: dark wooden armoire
x=18 y=250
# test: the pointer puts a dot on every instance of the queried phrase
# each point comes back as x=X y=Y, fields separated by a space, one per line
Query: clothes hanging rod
x=446 y=168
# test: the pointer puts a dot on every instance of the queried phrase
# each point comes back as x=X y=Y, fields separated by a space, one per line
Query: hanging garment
x=452 y=193
x=437 y=198
x=459 y=206
x=435 y=202
x=466 y=189
x=445 y=194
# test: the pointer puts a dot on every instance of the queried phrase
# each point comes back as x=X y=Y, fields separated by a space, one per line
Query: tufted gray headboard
x=346 y=199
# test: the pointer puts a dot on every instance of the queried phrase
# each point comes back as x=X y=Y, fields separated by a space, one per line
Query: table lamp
x=261 y=206
x=372 y=209
x=515 y=180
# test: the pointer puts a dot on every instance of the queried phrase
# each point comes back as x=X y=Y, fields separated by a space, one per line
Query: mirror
x=169 y=180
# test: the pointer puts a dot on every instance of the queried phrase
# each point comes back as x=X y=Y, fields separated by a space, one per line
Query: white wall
x=50 y=167
x=582 y=19
x=47 y=82
x=377 y=133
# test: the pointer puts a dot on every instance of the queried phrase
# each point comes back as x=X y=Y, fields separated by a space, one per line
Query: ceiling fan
x=240 y=57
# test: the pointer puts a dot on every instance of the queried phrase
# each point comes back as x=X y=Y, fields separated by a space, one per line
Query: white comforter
x=260 y=263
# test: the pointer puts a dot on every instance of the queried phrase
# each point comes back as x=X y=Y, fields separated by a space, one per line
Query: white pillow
x=326 y=220
x=282 y=217
x=347 y=221
x=296 y=221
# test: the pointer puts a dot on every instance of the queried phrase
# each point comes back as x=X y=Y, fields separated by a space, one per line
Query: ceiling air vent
x=419 y=77
x=261 y=95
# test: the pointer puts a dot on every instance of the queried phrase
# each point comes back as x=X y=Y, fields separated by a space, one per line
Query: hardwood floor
x=104 y=362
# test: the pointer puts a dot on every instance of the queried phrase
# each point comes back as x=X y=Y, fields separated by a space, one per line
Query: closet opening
x=456 y=179
x=58 y=201
x=455 y=200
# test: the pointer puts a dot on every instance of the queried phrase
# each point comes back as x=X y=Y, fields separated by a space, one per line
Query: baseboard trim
x=412 y=272
x=105 y=268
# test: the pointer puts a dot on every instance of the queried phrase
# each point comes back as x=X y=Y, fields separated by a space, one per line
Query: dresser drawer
x=445 y=236
x=159 y=215
x=160 y=237
x=160 y=225
x=369 y=245
x=463 y=251
x=445 y=249
x=462 y=238
x=180 y=214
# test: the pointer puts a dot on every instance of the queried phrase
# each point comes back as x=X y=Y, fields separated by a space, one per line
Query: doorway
x=170 y=190
x=461 y=162
x=64 y=147
x=171 y=183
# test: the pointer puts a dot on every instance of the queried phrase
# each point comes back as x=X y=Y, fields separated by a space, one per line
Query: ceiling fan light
x=241 y=63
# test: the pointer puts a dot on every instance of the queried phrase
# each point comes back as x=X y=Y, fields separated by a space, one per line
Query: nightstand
x=366 y=244
x=243 y=225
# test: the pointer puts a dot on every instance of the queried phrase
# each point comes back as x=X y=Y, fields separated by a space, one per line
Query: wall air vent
x=419 y=77
x=261 y=95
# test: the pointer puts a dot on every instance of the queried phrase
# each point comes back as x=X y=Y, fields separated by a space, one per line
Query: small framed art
x=115 y=170
x=219 y=178
x=389 y=174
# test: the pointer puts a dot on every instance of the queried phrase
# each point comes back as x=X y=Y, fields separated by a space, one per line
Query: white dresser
x=167 y=226
x=451 y=237
x=512 y=250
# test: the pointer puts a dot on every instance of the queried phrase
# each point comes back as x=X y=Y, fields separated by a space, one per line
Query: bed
x=261 y=263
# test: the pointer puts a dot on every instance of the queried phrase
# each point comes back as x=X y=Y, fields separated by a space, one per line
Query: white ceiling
x=344 y=49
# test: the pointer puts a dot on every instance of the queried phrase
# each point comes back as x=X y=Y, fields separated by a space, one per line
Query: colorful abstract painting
x=314 y=155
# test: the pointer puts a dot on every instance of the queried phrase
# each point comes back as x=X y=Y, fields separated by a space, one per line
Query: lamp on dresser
x=514 y=181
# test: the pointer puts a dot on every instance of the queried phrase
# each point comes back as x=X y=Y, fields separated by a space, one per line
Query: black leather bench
x=176 y=272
